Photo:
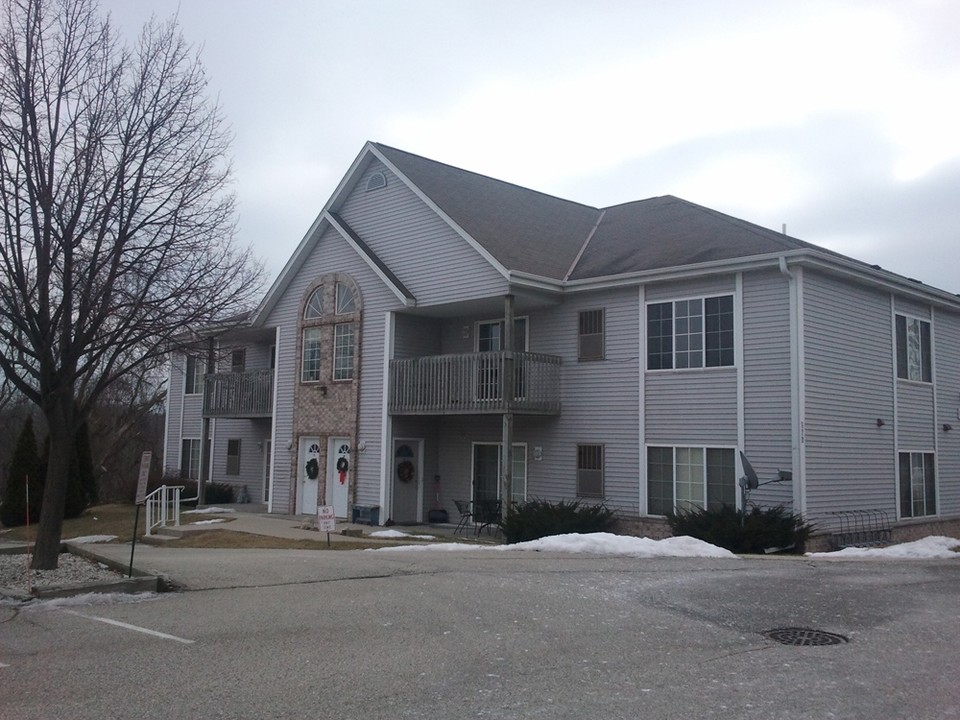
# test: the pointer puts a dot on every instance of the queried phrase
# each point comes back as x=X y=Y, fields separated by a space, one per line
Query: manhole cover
x=804 y=636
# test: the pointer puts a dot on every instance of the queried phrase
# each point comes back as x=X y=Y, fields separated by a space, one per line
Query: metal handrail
x=163 y=506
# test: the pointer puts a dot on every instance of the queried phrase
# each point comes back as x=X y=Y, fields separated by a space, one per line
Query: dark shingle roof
x=532 y=232
x=523 y=229
x=666 y=232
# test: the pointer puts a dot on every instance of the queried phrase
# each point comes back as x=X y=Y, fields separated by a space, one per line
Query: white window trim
x=682 y=446
x=737 y=339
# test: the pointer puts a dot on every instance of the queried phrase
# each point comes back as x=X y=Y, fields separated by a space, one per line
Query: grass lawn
x=118 y=520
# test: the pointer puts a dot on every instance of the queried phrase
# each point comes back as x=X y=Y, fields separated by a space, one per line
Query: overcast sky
x=840 y=119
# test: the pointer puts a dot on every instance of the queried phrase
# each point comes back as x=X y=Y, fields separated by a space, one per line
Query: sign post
x=326 y=520
x=140 y=499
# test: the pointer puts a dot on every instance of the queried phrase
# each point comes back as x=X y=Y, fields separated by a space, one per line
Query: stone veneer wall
x=327 y=408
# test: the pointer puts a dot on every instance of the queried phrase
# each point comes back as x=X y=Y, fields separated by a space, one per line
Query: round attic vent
x=376 y=181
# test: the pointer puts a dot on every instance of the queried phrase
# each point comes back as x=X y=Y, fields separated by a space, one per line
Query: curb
x=141 y=582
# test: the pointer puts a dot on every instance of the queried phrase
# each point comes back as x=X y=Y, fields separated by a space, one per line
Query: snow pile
x=208 y=511
x=389 y=534
x=593 y=543
x=209 y=522
x=92 y=539
x=932 y=547
x=610 y=544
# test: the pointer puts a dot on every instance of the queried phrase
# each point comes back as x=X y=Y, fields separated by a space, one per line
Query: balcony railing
x=472 y=384
x=238 y=394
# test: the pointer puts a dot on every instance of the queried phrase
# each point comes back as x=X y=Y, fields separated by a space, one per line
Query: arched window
x=345 y=301
x=314 y=308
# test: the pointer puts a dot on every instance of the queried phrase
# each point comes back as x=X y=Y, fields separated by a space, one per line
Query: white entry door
x=339 y=473
x=308 y=475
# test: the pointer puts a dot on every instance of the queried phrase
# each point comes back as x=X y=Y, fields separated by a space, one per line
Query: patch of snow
x=92 y=598
x=594 y=543
x=208 y=522
x=92 y=539
x=209 y=511
x=400 y=534
x=931 y=547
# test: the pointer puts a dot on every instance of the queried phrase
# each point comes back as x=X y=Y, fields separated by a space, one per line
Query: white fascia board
x=307 y=242
x=442 y=215
x=371 y=263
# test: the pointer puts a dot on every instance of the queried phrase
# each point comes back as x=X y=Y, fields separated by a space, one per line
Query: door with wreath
x=339 y=474
x=407 y=481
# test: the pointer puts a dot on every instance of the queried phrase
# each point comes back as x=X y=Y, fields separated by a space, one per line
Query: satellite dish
x=753 y=482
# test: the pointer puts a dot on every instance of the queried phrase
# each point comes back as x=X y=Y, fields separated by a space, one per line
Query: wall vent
x=376 y=181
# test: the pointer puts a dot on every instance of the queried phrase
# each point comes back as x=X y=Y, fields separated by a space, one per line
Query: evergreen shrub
x=24 y=465
x=758 y=531
x=539 y=518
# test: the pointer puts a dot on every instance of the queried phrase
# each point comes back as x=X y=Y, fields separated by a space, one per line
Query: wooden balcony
x=471 y=384
x=238 y=394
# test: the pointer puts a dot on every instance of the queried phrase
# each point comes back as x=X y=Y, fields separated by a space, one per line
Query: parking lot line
x=128 y=626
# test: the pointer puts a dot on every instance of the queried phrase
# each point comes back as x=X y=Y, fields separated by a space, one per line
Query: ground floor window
x=590 y=471
x=190 y=460
x=680 y=478
x=918 y=485
x=233 y=457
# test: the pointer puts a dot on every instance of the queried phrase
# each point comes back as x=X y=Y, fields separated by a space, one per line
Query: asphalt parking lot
x=354 y=634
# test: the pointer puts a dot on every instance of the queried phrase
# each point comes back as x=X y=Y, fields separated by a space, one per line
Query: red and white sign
x=326 y=520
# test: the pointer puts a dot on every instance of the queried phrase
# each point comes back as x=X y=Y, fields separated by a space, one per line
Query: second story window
x=310 y=366
x=690 y=333
x=913 y=349
x=590 y=337
x=343 y=351
x=193 y=376
x=238 y=360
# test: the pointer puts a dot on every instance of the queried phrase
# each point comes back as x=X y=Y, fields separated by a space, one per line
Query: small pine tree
x=25 y=465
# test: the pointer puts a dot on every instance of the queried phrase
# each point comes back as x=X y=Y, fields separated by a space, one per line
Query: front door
x=407 y=481
x=308 y=475
x=339 y=472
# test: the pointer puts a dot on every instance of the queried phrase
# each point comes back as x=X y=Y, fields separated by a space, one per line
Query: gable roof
x=531 y=232
x=524 y=233
x=525 y=230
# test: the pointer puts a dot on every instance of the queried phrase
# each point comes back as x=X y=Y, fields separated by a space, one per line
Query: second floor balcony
x=472 y=383
x=238 y=394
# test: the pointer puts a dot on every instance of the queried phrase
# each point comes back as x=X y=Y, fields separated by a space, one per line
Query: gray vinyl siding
x=173 y=437
x=695 y=407
x=850 y=462
x=600 y=400
x=427 y=255
x=331 y=254
x=946 y=342
x=768 y=429
x=415 y=336
x=251 y=434
x=915 y=413
x=697 y=287
x=907 y=306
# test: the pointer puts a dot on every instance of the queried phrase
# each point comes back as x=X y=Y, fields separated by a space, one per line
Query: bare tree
x=117 y=220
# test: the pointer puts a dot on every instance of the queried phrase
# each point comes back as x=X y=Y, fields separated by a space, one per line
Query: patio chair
x=487 y=513
x=466 y=514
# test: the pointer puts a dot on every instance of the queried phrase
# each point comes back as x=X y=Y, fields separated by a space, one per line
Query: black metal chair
x=466 y=514
x=487 y=513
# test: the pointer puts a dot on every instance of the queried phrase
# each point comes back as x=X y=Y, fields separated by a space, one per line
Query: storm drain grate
x=804 y=636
